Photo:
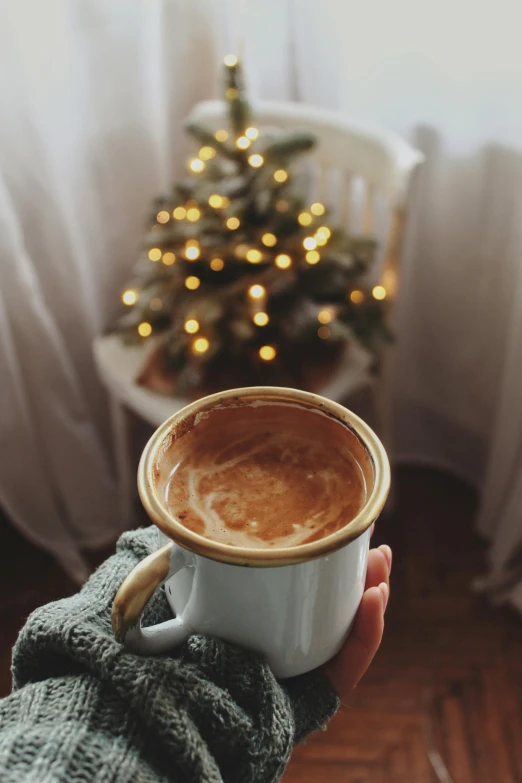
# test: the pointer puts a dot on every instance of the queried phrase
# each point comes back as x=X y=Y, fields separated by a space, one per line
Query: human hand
x=346 y=668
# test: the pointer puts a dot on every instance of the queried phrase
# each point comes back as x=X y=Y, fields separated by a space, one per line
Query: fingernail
x=385 y=592
x=385 y=549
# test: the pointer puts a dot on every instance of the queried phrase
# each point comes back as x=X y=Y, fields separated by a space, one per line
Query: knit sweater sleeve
x=85 y=709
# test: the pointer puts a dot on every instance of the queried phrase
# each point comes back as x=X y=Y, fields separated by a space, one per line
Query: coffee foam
x=265 y=476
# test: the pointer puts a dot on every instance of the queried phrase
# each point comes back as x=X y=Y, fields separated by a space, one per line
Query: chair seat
x=119 y=365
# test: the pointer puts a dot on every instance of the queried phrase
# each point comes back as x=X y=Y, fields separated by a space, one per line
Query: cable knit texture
x=84 y=710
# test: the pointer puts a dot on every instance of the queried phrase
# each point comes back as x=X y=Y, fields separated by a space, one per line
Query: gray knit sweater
x=83 y=709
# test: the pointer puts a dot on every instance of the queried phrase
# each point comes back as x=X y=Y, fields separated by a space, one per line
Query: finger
x=378 y=570
x=348 y=666
x=386 y=550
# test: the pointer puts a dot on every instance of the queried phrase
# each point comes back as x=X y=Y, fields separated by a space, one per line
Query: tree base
x=310 y=368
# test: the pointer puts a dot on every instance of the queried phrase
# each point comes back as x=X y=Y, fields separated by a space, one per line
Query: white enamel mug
x=295 y=605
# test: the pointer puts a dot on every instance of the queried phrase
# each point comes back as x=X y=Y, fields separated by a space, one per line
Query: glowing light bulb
x=201 y=345
x=193 y=214
x=256 y=291
x=155 y=254
x=280 y=175
x=192 y=282
x=325 y=316
x=230 y=60
x=322 y=235
x=317 y=208
x=206 y=153
x=304 y=218
x=252 y=133
x=269 y=240
x=191 y=326
x=267 y=353
x=323 y=332
x=192 y=253
x=309 y=243
x=196 y=165
x=168 y=259
x=261 y=319
x=254 y=256
x=312 y=257
x=155 y=303
x=242 y=143
x=163 y=216
x=221 y=135
x=283 y=261
x=217 y=264
x=180 y=213
x=233 y=223
x=357 y=296
x=256 y=160
x=215 y=201
x=379 y=292
x=231 y=94
x=144 y=329
x=129 y=297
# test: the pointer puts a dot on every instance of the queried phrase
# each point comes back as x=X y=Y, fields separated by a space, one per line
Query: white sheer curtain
x=92 y=98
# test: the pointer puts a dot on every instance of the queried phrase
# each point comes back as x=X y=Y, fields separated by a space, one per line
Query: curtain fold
x=500 y=516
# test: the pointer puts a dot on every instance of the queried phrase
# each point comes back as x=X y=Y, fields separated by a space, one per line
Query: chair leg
x=124 y=467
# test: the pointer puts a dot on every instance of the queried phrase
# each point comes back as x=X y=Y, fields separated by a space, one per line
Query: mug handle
x=134 y=594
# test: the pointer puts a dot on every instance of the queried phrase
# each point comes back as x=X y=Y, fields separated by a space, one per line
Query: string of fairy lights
x=267 y=251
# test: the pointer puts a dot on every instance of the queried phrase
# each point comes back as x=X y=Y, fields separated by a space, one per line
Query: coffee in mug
x=264 y=500
x=265 y=476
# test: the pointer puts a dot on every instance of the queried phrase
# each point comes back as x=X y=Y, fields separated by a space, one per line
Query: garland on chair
x=240 y=281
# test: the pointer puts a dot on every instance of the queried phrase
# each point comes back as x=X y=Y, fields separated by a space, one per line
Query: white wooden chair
x=364 y=175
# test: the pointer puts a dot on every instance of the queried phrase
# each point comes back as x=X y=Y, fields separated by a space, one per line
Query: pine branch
x=288 y=147
x=208 y=139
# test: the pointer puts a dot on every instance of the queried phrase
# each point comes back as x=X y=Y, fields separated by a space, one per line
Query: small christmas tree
x=239 y=282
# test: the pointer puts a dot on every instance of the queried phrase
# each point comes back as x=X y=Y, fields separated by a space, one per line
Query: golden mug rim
x=281 y=556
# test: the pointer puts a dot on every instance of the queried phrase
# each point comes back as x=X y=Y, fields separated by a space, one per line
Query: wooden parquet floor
x=442 y=702
x=443 y=699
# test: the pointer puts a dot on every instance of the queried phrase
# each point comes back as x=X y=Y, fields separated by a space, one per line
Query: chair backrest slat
x=345 y=211
x=369 y=208
x=321 y=182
